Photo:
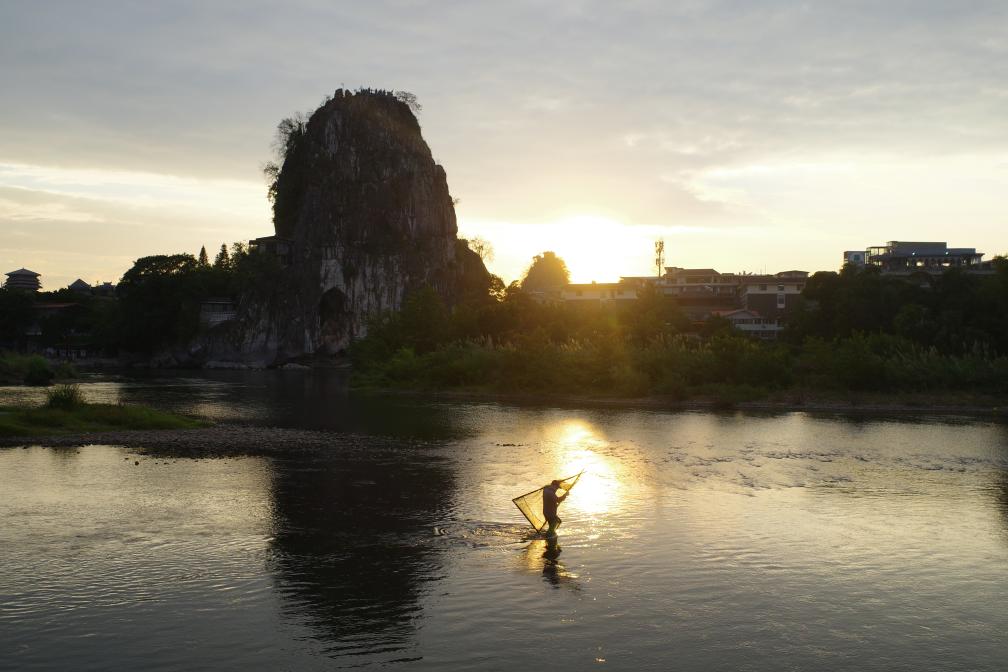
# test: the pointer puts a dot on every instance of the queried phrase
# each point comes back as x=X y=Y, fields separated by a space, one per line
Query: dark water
x=694 y=541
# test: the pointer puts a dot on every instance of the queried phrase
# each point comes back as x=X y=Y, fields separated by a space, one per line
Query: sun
x=594 y=247
x=597 y=248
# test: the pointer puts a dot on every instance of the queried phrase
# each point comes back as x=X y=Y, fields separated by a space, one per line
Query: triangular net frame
x=531 y=503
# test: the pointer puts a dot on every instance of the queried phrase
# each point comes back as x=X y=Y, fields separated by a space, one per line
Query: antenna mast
x=659 y=249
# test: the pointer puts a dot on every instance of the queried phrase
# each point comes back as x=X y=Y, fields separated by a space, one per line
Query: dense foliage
x=956 y=312
x=859 y=331
x=862 y=331
x=18 y=369
x=546 y=271
x=157 y=304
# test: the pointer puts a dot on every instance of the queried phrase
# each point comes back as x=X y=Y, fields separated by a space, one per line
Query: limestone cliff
x=367 y=217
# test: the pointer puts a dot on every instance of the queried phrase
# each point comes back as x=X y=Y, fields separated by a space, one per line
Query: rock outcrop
x=363 y=216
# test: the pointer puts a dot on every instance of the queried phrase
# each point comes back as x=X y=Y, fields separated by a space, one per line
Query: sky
x=756 y=136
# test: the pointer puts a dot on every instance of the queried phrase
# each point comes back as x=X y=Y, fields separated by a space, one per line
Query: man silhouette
x=550 y=503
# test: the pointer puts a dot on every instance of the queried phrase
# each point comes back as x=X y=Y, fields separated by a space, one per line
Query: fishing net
x=531 y=503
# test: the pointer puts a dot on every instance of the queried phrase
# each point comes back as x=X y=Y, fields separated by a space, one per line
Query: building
x=906 y=257
x=854 y=258
x=699 y=292
x=598 y=292
x=106 y=289
x=80 y=287
x=772 y=296
x=281 y=248
x=755 y=304
x=699 y=282
x=23 y=279
x=217 y=310
x=751 y=323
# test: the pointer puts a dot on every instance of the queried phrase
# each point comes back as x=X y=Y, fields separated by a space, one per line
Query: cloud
x=69 y=223
x=647 y=112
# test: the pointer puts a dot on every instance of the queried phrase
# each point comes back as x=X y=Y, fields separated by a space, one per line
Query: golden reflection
x=580 y=447
x=543 y=556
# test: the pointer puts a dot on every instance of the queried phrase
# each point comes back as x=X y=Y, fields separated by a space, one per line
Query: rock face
x=367 y=217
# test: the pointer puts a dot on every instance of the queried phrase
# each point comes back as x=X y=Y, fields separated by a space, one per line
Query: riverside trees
x=862 y=332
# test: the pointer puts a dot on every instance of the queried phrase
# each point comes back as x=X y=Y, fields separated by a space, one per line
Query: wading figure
x=550 y=504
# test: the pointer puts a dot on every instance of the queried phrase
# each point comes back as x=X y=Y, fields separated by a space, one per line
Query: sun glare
x=595 y=248
x=579 y=447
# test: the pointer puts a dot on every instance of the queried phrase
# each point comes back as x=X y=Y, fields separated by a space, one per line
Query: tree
x=289 y=133
x=411 y=101
x=203 y=261
x=481 y=247
x=17 y=312
x=159 y=300
x=222 y=261
x=547 y=271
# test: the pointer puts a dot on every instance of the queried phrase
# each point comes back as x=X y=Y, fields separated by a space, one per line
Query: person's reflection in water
x=552 y=568
x=543 y=555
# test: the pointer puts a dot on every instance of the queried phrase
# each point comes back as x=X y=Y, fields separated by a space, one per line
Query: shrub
x=38 y=372
x=64 y=396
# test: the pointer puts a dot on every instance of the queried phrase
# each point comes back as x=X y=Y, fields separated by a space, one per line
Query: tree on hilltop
x=481 y=247
x=547 y=271
x=410 y=99
x=204 y=261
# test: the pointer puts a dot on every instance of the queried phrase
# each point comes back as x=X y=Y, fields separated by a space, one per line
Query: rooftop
x=25 y=271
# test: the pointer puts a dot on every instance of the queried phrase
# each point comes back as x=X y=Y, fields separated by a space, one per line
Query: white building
x=751 y=323
x=599 y=292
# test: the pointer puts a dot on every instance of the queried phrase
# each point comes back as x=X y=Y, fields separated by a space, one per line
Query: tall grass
x=64 y=396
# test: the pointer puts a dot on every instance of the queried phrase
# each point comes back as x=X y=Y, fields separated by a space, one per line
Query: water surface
x=695 y=541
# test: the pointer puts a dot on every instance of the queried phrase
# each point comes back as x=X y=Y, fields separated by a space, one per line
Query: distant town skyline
x=747 y=135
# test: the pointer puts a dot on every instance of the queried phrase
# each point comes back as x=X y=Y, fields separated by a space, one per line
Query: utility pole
x=659 y=249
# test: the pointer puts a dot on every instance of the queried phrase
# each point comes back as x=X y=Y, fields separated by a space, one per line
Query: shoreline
x=222 y=440
x=216 y=441
x=870 y=405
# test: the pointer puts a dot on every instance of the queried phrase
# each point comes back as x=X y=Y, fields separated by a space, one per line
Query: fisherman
x=550 y=503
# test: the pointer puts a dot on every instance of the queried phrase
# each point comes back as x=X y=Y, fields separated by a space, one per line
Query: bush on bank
x=18 y=369
x=685 y=369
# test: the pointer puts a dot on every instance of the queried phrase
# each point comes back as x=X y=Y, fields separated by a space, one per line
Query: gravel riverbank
x=210 y=441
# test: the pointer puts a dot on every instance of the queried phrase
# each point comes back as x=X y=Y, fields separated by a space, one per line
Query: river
x=694 y=540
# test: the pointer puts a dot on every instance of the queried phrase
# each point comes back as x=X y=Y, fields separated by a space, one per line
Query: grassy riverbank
x=66 y=412
x=18 y=369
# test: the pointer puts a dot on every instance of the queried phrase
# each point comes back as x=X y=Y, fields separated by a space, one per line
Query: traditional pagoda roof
x=25 y=272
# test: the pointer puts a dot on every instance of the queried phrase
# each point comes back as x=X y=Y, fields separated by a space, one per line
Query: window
x=762 y=288
x=781 y=300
